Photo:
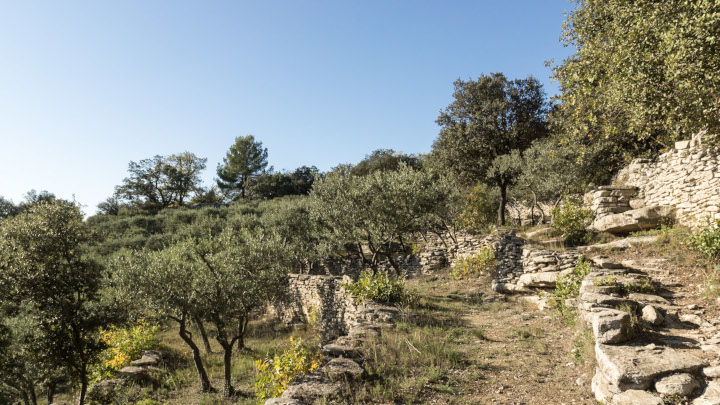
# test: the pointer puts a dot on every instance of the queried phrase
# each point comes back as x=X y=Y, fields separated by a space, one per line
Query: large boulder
x=635 y=220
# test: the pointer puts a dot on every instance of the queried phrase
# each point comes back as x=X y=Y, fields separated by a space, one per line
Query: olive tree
x=43 y=265
x=219 y=279
x=378 y=210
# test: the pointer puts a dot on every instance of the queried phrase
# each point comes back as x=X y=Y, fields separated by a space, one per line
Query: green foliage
x=380 y=210
x=475 y=265
x=490 y=121
x=643 y=285
x=568 y=286
x=161 y=181
x=274 y=375
x=645 y=73
x=571 y=219
x=384 y=160
x=379 y=286
x=219 y=279
x=44 y=266
x=271 y=184
x=706 y=239
x=245 y=159
x=480 y=209
x=123 y=346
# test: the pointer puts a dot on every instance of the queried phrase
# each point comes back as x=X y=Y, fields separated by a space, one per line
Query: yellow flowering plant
x=275 y=375
x=123 y=346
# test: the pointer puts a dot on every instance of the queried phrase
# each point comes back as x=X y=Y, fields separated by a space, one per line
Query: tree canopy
x=644 y=74
x=490 y=120
x=161 y=181
x=245 y=159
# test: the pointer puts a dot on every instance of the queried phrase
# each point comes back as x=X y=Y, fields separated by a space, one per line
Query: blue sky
x=87 y=86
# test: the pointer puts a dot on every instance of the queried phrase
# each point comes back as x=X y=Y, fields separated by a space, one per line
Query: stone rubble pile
x=139 y=371
x=357 y=323
x=643 y=350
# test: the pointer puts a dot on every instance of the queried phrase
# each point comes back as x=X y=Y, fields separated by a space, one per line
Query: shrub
x=571 y=219
x=124 y=346
x=481 y=209
x=474 y=265
x=568 y=286
x=274 y=375
x=706 y=239
x=381 y=287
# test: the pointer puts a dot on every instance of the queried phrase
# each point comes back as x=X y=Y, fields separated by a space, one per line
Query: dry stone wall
x=686 y=178
x=522 y=267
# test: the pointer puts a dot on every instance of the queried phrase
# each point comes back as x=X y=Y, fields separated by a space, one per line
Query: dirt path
x=526 y=356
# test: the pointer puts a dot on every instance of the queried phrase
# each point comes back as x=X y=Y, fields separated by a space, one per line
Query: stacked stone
x=508 y=253
x=637 y=369
x=686 y=178
x=354 y=323
x=608 y=200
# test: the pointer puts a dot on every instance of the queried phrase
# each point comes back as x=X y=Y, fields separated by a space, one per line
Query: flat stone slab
x=342 y=368
x=145 y=361
x=630 y=367
x=636 y=397
x=622 y=243
x=336 y=350
x=543 y=280
x=711 y=395
x=310 y=388
x=635 y=220
x=682 y=384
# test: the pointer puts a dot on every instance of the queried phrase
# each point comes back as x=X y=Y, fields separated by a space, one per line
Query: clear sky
x=87 y=86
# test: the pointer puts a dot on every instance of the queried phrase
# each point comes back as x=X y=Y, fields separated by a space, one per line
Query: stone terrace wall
x=522 y=267
x=323 y=297
x=686 y=178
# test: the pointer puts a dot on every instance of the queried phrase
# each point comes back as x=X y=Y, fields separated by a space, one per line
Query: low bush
x=571 y=219
x=474 y=265
x=706 y=239
x=379 y=286
x=275 y=375
x=568 y=286
x=124 y=346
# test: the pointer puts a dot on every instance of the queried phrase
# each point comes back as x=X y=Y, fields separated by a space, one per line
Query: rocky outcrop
x=635 y=220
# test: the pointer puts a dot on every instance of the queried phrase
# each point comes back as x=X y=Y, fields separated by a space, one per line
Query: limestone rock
x=283 y=401
x=636 y=397
x=635 y=220
x=310 y=388
x=336 y=350
x=546 y=279
x=712 y=372
x=611 y=326
x=134 y=373
x=145 y=361
x=342 y=368
x=711 y=395
x=601 y=388
x=677 y=384
x=104 y=391
x=604 y=262
x=652 y=315
x=636 y=367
